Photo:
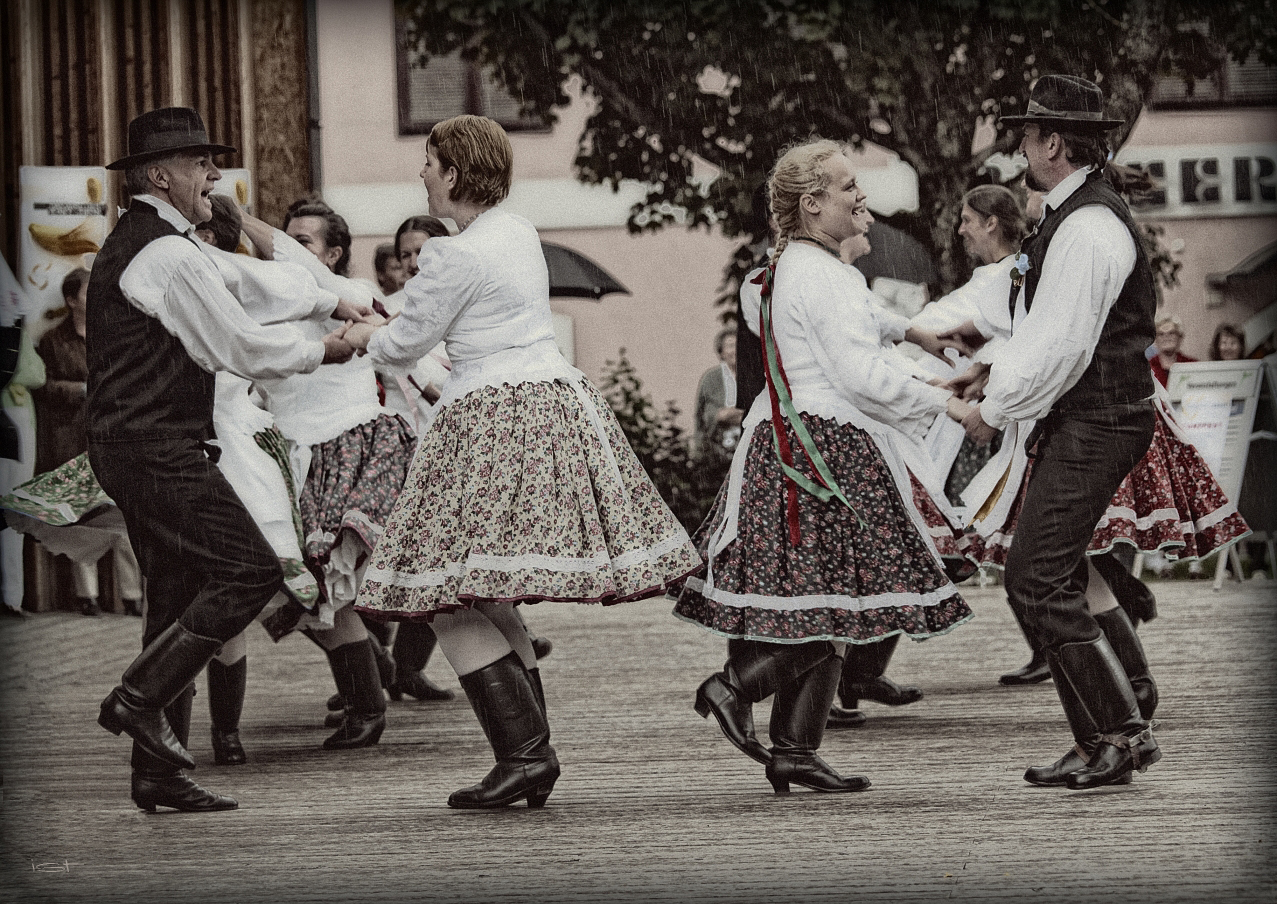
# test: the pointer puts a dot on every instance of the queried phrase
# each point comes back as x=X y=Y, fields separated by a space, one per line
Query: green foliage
x=658 y=441
x=732 y=82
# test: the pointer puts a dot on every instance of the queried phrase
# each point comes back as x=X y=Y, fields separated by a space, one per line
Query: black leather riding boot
x=754 y=670
x=226 y=685
x=1125 y=741
x=799 y=711
x=1085 y=734
x=355 y=671
x=153 y=681
x=1121 y=635
x=505 y=702
x=156 y=783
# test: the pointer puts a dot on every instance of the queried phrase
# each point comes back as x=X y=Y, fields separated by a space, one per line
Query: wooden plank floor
x=654 y=805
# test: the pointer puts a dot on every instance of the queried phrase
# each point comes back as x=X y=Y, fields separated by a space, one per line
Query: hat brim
x=1079 y=125
x=134 y=159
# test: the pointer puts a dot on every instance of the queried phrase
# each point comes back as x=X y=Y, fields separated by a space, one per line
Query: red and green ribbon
x=824 y=487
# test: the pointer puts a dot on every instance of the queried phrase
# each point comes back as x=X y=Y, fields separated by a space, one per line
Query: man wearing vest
x=1083 y=301
x=160 y=322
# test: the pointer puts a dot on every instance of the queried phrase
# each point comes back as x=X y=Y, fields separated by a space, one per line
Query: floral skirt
x=353 y=483
x=1169 y=502
x=524 y=493
x=844 y=580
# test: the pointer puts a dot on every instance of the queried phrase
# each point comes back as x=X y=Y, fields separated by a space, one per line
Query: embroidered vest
x=1118 y=371
x=142 y=383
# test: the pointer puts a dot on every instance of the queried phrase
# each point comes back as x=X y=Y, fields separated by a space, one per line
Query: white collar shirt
x=1090 y=257
x=172 y=280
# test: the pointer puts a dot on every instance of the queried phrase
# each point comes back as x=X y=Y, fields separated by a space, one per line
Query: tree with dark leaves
x=729 y=83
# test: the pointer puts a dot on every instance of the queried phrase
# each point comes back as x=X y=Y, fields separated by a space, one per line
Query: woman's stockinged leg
x=1099 y=597
x=234 y=649
x=470 y=640
x=347 y=627
x=506 y=620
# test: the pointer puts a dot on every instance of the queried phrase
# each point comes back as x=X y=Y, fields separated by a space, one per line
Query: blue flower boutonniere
x=1018 y=270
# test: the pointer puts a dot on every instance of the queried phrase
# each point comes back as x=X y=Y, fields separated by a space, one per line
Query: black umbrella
x=572 y=273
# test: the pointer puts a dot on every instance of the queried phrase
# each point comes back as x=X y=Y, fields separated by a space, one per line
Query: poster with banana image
x=62 y=210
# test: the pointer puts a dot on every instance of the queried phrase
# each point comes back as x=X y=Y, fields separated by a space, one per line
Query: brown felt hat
x=166 y=131
x=1065 y=100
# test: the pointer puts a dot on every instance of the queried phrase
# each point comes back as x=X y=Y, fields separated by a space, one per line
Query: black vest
x=142 y=383
x=1118 y=371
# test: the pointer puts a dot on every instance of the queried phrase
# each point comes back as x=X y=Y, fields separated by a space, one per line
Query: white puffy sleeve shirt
x=1087 y=263
x=835 y=343
x=486 y=294
x=172 y=280
x=984 y=299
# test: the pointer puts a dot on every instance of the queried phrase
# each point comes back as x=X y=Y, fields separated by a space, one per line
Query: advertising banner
x=62 y=215
x=1215 y=403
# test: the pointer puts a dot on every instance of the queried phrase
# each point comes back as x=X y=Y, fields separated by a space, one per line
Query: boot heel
x=1149 y=760
x=702 y=705
x=779 y=785
x=537 y=798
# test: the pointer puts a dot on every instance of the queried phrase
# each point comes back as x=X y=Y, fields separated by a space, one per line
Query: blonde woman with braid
x=826 y=530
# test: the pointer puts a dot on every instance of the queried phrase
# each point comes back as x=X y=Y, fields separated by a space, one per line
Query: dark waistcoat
x=142 y=383
x=1118 y=371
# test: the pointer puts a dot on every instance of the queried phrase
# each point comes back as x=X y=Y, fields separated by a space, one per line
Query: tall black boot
x=1084 y=731
x=505 y=702
x=355 y=671
x=864 y=676
x=1124 y=740
x=753 y=671
x=156 y=783
x=1126 y=645
x=799 y=710
x=1133 y=595
x=150 y=683
x=226 y=685
x=414 y=642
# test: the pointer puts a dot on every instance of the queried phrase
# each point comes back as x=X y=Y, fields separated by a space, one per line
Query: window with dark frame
x=1247 y=84
x=448 y=86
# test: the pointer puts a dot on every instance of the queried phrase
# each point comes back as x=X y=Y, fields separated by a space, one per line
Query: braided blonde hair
x=798 y=172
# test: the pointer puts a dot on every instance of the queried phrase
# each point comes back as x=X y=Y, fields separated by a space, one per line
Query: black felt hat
x=166 y=131
x=1065 y=100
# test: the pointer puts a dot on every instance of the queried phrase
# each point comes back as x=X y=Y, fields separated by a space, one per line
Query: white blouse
x=836 y=343
x=486 y=294
x=984 y=300
x=314 y=408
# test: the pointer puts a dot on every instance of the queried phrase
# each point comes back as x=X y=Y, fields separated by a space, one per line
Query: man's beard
x=1033 y=181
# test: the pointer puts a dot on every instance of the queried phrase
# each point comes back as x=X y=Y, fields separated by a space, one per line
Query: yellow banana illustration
x=65 y=241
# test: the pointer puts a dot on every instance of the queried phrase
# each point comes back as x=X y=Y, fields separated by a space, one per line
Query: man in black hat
x=160 y=322
x=1082 y=302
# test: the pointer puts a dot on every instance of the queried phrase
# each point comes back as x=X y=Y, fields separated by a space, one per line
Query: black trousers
x=1081 y=458
x=204 y=559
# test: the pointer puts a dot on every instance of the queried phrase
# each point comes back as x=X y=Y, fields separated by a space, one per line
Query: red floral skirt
x=844 y=580
x=1169 y=502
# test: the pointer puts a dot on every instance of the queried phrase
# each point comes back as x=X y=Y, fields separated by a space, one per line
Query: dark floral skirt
x=844 y=580
x=1169 y=502
x=353 y=483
